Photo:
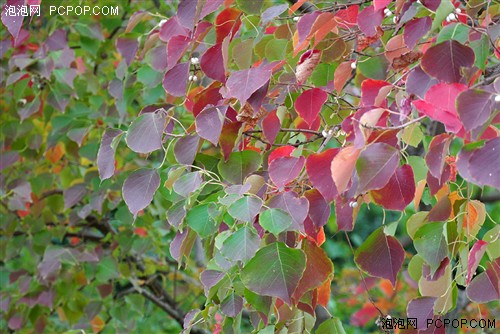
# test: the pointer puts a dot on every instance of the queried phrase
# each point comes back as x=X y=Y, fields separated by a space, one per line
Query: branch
x=398 y=127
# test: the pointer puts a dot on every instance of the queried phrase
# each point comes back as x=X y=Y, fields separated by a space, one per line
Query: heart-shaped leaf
x=139 y=189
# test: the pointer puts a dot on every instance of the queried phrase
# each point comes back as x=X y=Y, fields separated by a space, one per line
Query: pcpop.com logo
x=35 y=10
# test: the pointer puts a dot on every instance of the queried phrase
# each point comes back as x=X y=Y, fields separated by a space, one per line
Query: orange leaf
x=97 y=324
x=341 y=75
x=141 y=231
x=343 y=165
x=55 y=153
x=320 y=238
x=296 y=6
x=473 y=219
x=324 y=293
x=418 y=193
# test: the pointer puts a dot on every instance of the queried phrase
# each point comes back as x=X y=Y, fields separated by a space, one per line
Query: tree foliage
x=213 y=160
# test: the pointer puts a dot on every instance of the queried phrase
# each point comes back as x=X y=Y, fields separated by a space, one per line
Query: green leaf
x=107 y=269
x=430 y=243
x=444 y=9
x=456 y=31
x=202 y=219
x=246 y=208
x=275 y=271
x=276 y=49
x=241 y=245
x=250 y=7
x=275 y=220
x=331 y=326
x=239 y=166
x=481 y=49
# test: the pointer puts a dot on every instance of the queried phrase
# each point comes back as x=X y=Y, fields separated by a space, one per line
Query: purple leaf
x=73 y=195
x=484 y=164
x=431 y=4
x=305 y=24
x=242 y=84
x=369 y=19
x=128 y=48
x=445 y=60
x=139 y=189
x=241 y=245
x=297 y=207
x=269 y=14
x=146 y=132
x=175 y=80
x=172 y=28
x=209 y=278
x=419 y=82
x=186 y=12
x=435 y=158
x=485 y=287
x=398 y=192
x=380 y=256
x=77 y=135
x=158 y=57
x=106 y=153
x=284 y=170
x=58 y=40
x=8 y=158
x=182 y=244
x=416 y=29
x=309 y=103
x=421 y=308
x=188 y=183
x=375 y=166
x=319 y=209
x=210 y=7
x=474 y=107
x=176 y=214
x=13 y=22
x=209 y=122
x=345 y=215
x=185 y=149
x=212 y=63
x=176 y=48
x=232 y=305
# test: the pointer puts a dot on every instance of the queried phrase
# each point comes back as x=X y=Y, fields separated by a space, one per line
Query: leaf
x=209 y=122
x=271 y=126
x=398 y=193
x=319 y=269
x=246 y=208
x=285 y=169
x=445 y=60
x=318 y=167
x=171 y=28
x=421 y=308
x=241 y=245
x=175 y=80
x=369 y=19
x=145 y=134
x=139 y=189
x=275 y=271
x=73 y=195
x=212 y=63
x=8 y=158
x=239 y=165
x=13 y=23
x=438 y=149
x=227 y=22
x=185 y=149
x=375 y=166
x=474 y=107
x=232 y=305
x=242 y=84
x=331 y=326
x=475 y=255
x=342 y=73
x=128 y=48
x=415 y=30
x=473 y=219
x=430 y=243
x=309 y=103
x=272 y=12
x=188 y=183
x=419 y=82
x=307 y=63
x=380 y=256
x=297 y=207
x=485 y=287
x=106 y=153
x=203 y=219
x=275 y=220
x=484 y=164
x=135 y=19
x=342 y=167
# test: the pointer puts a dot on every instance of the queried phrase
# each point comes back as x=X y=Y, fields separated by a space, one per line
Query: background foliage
x=249 y=166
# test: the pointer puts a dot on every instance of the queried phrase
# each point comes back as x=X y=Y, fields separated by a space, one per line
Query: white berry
x=162 y=22
x=296 y=18
x=458 y=10
x=193 y=78
x=353 y=204
x=497 y=98
x=195 y=61
x=353 y=65
x=395 y=19
x=22 y=101
x=387 y=12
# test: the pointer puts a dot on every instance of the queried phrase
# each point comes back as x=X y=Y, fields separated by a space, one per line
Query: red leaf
x=209 y=95
x=416 y=29
x=370 y=89
x=318 y=167
x=365 y=314
x=474 y=107
x=349 y=16
x=175 y=80
x=319 y=269
x=271 y=126
x=419 y=82
x=375 y=166
x=176 y=48
x=319 y=209
x=345 y=215
x=486 y=286
x=285 y=169
x=141 y=231
x=438 y=149
x=380 y=4
x=128 y=48
x=228 y=137
x=369 y=19
x=212 y=63
x=172 y=28
x=342 y=73
x=441 y=211
x=381 y=256
x=475 y=256
x=445 y=60
x=309 y=103
x=398 y=192
x=227 y=22
x=283 y=151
